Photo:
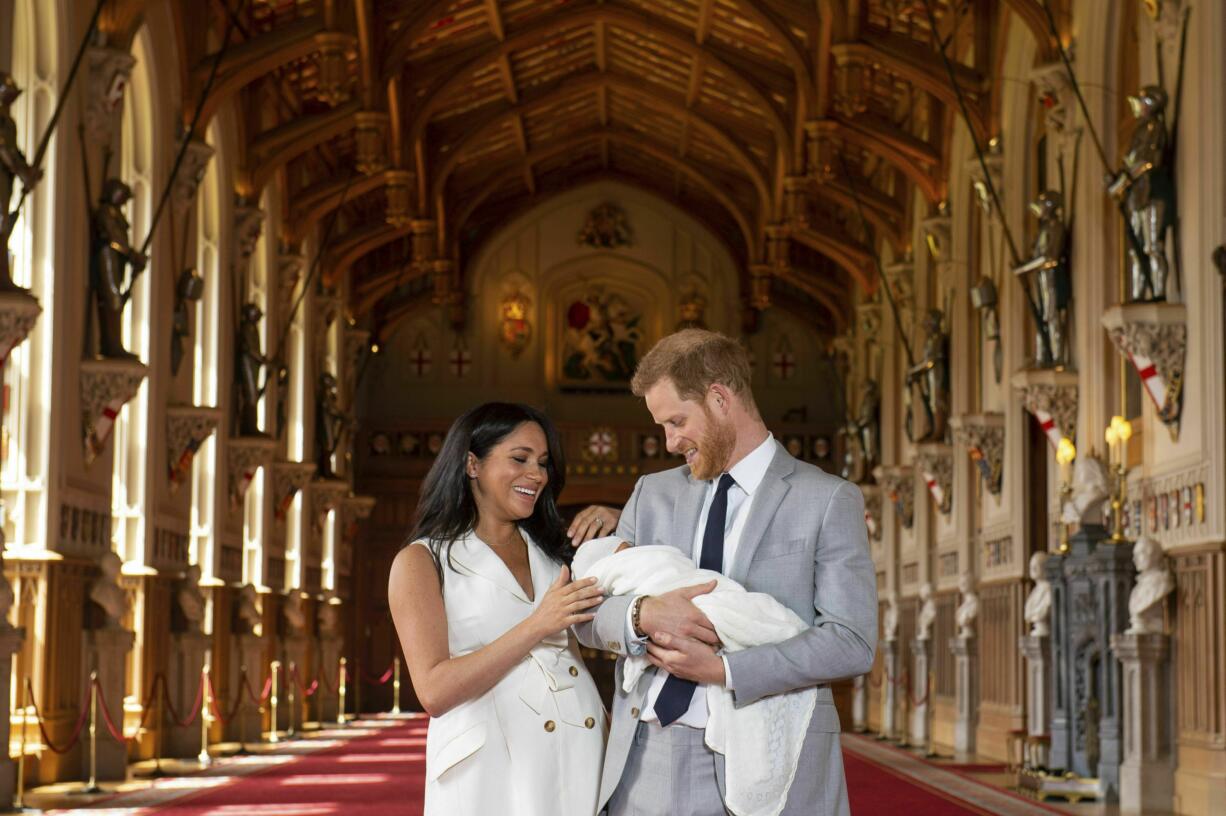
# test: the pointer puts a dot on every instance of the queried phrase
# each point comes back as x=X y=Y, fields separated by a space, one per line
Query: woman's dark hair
x=447 y=510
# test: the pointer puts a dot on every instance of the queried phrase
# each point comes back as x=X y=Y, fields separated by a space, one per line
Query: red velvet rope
x=387 y=675
x=76 y=731
x=331 y=688
x=307 y=691
x=264 y=693
x=196 y=705
x=238 y=701
x=117 y=733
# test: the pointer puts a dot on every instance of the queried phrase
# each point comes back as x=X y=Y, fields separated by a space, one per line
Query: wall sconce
x=1066 y=453
x=1117 y=434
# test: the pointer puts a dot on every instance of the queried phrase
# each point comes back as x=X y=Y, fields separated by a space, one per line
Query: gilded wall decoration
x=606 y=227
x=602 y=339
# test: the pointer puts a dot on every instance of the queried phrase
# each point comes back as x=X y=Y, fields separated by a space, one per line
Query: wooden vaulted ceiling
x=761 y=118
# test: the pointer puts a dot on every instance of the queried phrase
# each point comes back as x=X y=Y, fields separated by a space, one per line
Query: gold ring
x=599 y=523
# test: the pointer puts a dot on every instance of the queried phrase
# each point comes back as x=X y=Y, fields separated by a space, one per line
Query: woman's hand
x=565 y=604
x=592 y=522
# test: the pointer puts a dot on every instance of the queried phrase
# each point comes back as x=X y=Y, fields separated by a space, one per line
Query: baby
x=761 y=742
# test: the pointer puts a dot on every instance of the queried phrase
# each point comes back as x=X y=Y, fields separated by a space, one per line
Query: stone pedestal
x=859 y=704
x=918 y=732
x=889 y=688
x=248 y=723
x=1147 y=773
x=1036 y=649
x=293 y=653
x=966 y=690
x=106 y=651
x=329 y=662
x=1090 y=585
x=10 y=641
x=187 y=654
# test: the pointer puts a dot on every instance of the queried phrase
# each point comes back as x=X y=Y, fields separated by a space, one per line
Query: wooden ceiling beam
x=702 y=29
x=357 y=244
x=275 y=148
x=694 y=87
x=855 y=259
x=313 y=203
x=807 y=283
x=602 y=46
x=1032 y=15
x=246 y=62
x=507 y=75
x=649 y=98
x=494 y=16
x=903 y=156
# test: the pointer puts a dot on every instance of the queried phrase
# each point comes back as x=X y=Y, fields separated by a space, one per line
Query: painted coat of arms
x=601 y=340
x=606 y=228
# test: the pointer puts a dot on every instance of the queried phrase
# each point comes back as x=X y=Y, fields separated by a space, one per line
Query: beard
x=714 y=449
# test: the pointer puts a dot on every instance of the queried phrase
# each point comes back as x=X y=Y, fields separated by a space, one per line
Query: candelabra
x=1117 y=434
x=1066 y=453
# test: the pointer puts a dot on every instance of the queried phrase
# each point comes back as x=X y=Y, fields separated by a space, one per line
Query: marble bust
x=190 y=598
x=927 y=613
x=889 y=620
x=295 y=615
x=248 y=612
x=1154 y=583
x=328 y=618
x=968 y=610
x=1090 y=488
x=106 y=592
x=1038 y=602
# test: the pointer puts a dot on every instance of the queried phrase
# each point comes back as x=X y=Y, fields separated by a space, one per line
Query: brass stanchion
x=92 y=787
x=930 y=715
x=242 y=720
x=272 y=735
x=357 y=693
x=396 y=685
x=157 y=772
x=19 y=799
x=340 y=682
x=293 y=675
x=205 y=717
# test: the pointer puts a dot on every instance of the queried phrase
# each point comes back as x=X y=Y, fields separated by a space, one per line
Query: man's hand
x=674 y=613
x=592 y=522
x=686 y=658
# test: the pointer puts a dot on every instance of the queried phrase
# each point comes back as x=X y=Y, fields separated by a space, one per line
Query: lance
x=987 y=175
x=1134 y=242
x=889 y=295
x=191 y=130
x=45 y=142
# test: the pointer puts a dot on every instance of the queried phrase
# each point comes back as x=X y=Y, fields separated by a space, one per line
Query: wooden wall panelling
x=1001 y=669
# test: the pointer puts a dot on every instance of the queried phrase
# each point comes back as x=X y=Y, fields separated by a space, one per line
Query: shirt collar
x=749 y=472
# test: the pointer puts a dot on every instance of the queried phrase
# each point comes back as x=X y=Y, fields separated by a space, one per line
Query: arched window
x=327 y=563
x=25 y=440
x=253 y=530
x=128 y=490
x=204 y=358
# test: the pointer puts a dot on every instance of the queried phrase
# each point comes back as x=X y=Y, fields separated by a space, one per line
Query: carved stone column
x=196 y=160
x=889 y=688
x=356 y=343
x=859 y=704
x=920 y=691
x=109 y=70
x=966 y=693
x=188 y=649
x=1051 y=395
x=760 y=285
x=11 y=639
x=187 y=427
x=332 y=62
x=898 y=484
x=287 y=479
x=983 y=435
x=935 y=463
x=290 y=265
x=370 y=141
x=106 y=386
x=245 y=455
x=796 y=200
x=248 y=224
x=1036 y=649
x=248 y=653
x=1154 y=338
x=19 y=312
x=106 y=651
x=1147 y=773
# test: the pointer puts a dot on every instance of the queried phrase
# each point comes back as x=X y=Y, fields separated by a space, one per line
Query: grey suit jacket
x=805 y=543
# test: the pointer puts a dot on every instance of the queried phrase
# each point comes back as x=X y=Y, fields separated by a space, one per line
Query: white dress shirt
x=747 y=475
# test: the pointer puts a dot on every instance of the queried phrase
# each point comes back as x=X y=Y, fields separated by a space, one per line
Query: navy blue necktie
x=675 y=695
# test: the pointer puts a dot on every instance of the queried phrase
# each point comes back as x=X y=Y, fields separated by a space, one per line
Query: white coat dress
x=533 y=745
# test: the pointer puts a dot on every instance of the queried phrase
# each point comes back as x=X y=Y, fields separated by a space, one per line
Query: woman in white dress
x=483 y=604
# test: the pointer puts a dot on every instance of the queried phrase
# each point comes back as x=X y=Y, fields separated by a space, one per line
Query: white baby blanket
x=761 y=742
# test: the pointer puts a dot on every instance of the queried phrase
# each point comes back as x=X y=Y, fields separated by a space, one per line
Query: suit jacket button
x=589 y=723
x=574 y=672
x=634 y=712
x=549 y=726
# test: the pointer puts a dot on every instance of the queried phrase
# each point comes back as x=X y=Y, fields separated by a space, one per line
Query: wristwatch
x=635 y=611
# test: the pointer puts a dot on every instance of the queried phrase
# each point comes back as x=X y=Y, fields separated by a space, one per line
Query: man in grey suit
x=743 y=506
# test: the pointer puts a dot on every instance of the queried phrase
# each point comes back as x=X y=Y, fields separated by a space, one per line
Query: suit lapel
x=766 y=500
x=685 y=515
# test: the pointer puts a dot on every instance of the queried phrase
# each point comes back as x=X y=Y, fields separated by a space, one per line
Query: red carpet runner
x=380 y=774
